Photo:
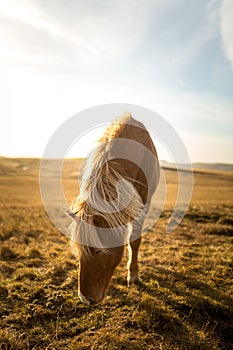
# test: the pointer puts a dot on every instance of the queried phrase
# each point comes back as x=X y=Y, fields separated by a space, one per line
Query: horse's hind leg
x=132 y=265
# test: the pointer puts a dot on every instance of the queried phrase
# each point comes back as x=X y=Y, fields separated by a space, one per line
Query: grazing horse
x=115 y=194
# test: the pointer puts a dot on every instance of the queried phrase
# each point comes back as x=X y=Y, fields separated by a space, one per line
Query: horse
x=108 y=214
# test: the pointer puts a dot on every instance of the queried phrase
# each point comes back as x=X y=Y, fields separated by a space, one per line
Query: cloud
x=91 y=32
x=29 y=34
x=226 y=19
x=94 y=34
x=179 y=40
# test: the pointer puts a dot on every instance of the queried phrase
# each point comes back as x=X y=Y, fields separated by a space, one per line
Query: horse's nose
x=90 y=300
x=85 y=300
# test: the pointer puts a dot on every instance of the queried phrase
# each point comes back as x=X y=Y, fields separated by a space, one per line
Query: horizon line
x=73 y=158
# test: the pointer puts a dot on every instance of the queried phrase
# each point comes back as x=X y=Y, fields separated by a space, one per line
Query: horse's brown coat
x=97 y=265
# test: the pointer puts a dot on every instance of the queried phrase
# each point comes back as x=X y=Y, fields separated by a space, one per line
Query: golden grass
x=184 y=302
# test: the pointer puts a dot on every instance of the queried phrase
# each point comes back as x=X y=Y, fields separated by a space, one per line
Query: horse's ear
x=71 y=214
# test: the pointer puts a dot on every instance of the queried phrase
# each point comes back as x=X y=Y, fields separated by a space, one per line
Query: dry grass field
x=184 y=302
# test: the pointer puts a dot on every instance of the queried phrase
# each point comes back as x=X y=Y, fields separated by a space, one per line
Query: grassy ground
x=185 y=301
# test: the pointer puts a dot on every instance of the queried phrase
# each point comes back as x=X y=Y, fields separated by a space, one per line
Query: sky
x=175 y=57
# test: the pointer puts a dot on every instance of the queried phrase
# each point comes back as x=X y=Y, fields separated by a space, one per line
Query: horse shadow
x=201 y=306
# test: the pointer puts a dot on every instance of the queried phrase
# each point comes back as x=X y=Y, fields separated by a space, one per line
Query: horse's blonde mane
x=116 y=127
x=103 y=190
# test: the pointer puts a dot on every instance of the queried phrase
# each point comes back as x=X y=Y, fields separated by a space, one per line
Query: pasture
x=184 y=301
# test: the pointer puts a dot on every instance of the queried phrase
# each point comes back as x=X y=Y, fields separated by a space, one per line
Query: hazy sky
x=172 y=56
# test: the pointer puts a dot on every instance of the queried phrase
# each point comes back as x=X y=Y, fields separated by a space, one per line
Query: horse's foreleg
x=133 y=262
x=134 y=239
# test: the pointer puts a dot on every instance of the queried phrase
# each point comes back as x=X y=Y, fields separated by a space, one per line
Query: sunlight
x=88 y=141
x=85 y=143
x=26 y=14
x=16 y=11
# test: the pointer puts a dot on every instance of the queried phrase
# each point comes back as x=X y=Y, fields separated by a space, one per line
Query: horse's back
x=141 y=159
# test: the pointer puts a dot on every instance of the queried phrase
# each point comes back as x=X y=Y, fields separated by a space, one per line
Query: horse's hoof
x=136 y=282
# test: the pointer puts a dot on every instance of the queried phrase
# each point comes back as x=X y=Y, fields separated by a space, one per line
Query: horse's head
x=95 y=271
x=96 y=265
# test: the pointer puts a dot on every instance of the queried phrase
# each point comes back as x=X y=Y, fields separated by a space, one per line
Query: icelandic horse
x=115 y=195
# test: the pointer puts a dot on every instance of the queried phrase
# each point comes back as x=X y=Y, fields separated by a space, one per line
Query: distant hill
x=12 y=166
x=213 y=166
x=30 y=166
x=201 y=166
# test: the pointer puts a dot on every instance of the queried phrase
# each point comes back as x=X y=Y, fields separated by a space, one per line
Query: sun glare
x=88 y=141
x=85 y=143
